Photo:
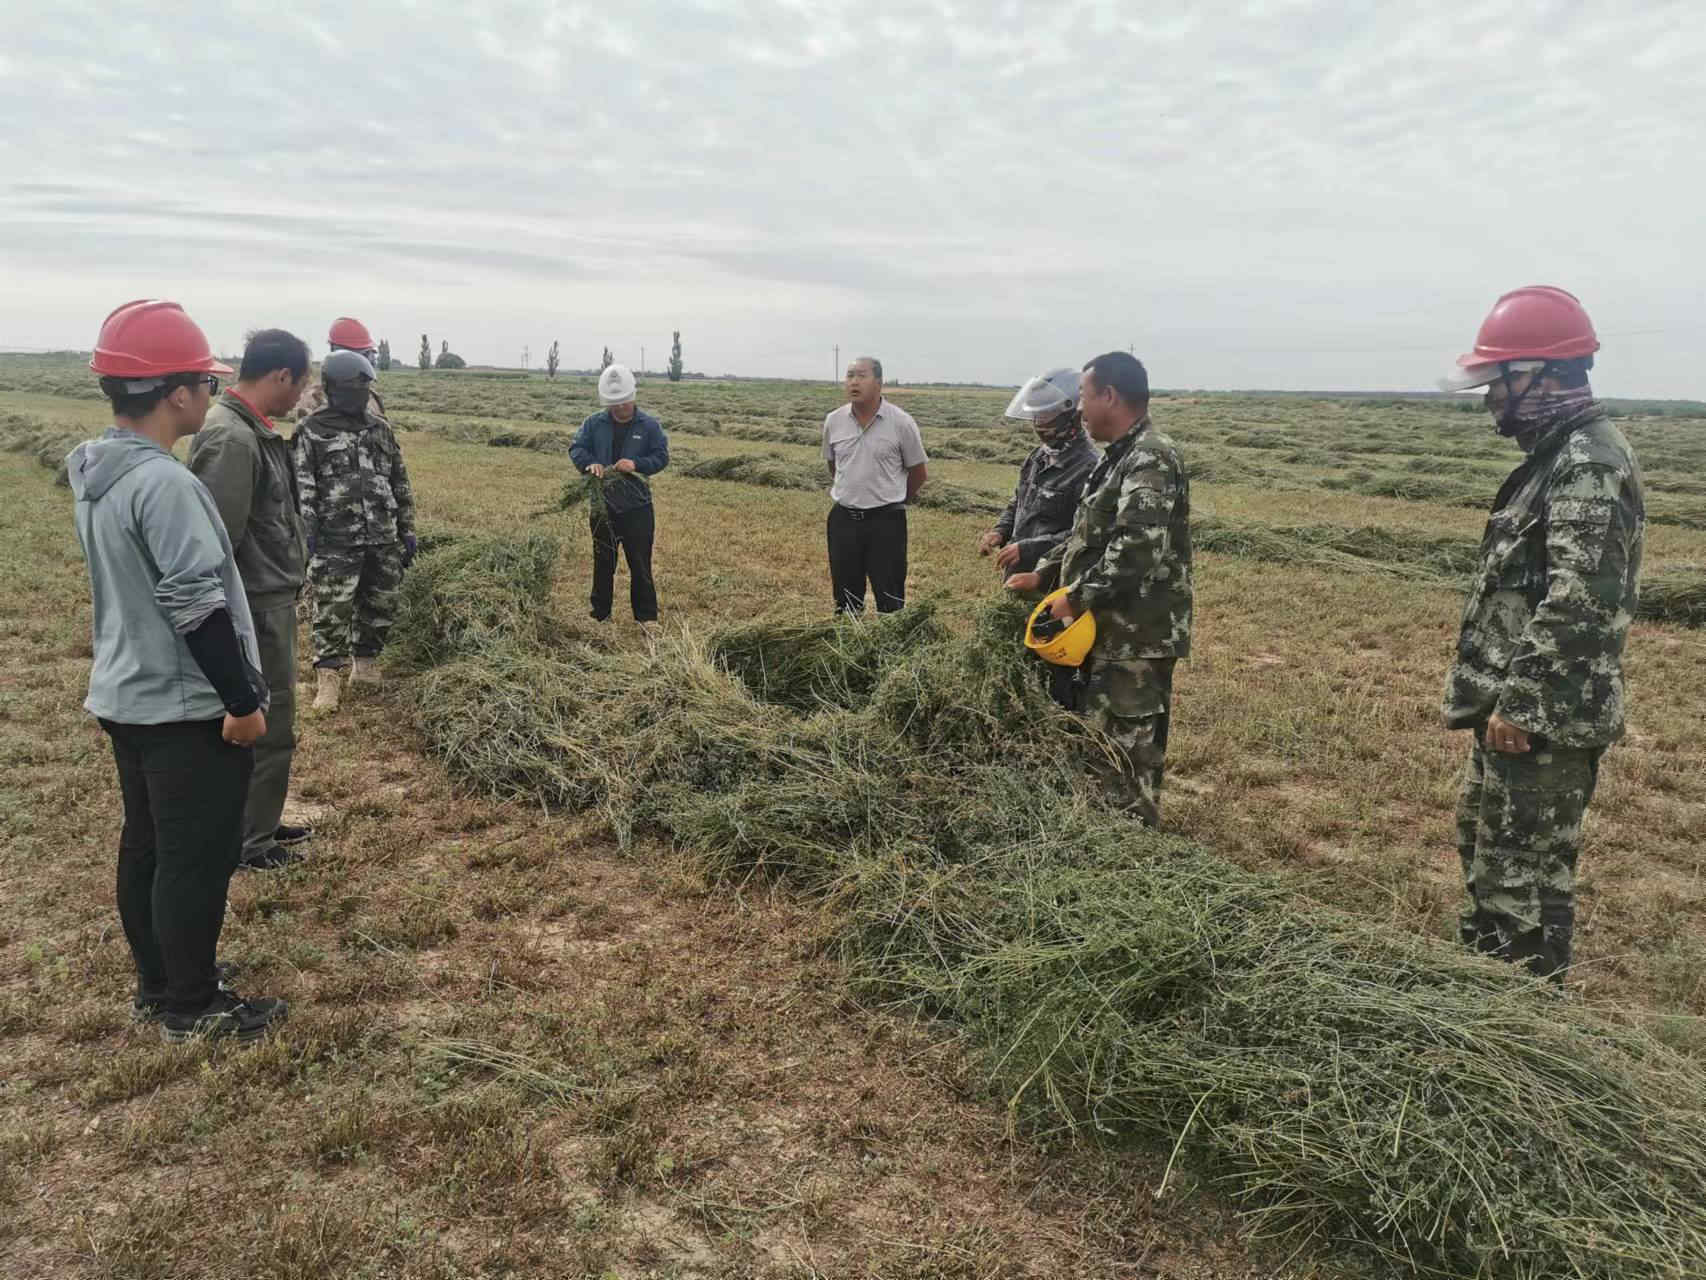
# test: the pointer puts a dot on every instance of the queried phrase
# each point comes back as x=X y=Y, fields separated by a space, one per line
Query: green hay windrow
x=1348 y=1083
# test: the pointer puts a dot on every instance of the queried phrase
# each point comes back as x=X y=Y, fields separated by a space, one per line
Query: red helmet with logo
x=351 y=334
x=150 y=339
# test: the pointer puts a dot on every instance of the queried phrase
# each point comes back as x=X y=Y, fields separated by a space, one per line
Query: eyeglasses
x=212 y=383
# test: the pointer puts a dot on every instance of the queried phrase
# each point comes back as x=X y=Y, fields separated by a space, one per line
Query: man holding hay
x=620 y=446
x=1539 y=669
x=1127 y=561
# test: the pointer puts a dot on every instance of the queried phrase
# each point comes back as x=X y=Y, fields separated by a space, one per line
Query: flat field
x=516 y=1050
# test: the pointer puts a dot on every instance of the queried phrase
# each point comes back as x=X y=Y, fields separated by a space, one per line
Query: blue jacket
x=646 y=444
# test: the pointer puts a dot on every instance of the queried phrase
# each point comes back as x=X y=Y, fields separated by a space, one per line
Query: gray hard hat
x=346 y=366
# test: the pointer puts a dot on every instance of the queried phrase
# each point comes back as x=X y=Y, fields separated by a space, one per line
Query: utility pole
x=526 y=358
x=642 y=360
x=836 y=375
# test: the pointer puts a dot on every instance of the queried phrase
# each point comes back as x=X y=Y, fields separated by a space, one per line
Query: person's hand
x=596 y=469
x=624 y=464
x=1008 y=556
x=241 y=731
x=1504 y=736
x=988 y=542
x=1063 y=608
x=409 y=545
x=1024 y=582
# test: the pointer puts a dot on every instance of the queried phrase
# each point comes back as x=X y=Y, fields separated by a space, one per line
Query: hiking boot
x=366 y=671
x=272 y=858
x=227 y=1017
x=287 y=834
x=148 y=1008
x=328 y=689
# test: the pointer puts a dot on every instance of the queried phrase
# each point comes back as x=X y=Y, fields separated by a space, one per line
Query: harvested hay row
x=1346 y=1082
x=47 y=442
x=1363 y=548
x=776 y=472
x=1673 y=595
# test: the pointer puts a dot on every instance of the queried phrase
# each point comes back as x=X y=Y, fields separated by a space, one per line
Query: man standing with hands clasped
x=1128 y=562
x=876 y=465
x=176 y=680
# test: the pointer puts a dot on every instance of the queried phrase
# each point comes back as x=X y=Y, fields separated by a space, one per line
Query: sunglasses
x=211 y=381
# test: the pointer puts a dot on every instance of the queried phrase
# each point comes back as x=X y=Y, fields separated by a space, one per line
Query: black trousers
x=867 y=545
x=634 y=530
x=184 y=789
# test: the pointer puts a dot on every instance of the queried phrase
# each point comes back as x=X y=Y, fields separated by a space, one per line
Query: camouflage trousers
x=1130 y=704
x=1519 y=833
x=355 y=600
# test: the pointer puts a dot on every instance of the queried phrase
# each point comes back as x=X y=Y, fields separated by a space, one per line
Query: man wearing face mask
x=346 y=334
x=358 y=514
x=1538 y=675
x=1039 y=517
x=1051 y=480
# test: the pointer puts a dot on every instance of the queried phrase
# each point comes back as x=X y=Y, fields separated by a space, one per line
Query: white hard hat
x=616 y=385
x=1046 y=396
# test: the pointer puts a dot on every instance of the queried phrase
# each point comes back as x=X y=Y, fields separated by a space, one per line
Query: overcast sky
x=1273 y=194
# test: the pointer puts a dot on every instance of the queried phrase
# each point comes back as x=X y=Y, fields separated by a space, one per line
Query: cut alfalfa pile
x=474 y=596
x=805 y=665
x=1349 y=1083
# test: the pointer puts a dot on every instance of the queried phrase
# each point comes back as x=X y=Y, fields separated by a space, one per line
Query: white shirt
x=871 y=462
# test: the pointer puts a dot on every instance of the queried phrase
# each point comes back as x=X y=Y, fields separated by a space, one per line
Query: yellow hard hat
x=1067 y=647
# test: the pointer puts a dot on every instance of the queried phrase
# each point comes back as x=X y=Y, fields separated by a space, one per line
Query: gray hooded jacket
x=159 y=564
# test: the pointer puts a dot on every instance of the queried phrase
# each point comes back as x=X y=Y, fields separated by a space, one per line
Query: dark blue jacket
x=646 y=444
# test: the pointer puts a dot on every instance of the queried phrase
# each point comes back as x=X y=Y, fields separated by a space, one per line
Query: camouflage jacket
x=1040 y=514
x=1128 y=558
x=354 y=487
x=1549 y=610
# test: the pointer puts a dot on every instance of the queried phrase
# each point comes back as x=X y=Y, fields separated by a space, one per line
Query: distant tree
x=384 y=354
x=448 y=359
x=551 y=360
x=675 y=359
x=425 y=358
x=607 y=361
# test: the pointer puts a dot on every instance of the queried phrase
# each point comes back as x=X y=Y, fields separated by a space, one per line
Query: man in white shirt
x=876 y=466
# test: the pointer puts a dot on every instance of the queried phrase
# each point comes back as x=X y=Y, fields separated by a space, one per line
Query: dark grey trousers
x=275 y=630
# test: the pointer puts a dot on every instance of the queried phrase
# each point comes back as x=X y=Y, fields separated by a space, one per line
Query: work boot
x=227 y=1016
x=328 y=690
x=365 y=671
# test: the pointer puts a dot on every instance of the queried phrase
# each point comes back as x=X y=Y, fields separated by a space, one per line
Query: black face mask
x=348 y=397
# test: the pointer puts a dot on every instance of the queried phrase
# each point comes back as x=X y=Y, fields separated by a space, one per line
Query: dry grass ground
x=513 y=1051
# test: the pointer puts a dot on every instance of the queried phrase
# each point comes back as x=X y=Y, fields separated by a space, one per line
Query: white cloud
x=1271 y=194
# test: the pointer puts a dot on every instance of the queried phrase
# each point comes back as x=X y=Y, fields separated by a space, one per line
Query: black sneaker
x=287 y=834
x=148 y=1008
x=596 y=616
x=271 y=859
x=227 y=1017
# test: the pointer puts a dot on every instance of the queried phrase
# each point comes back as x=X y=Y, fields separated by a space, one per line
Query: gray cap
x=346 y=366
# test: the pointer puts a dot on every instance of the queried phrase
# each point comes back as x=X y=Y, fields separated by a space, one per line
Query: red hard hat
x=349 y=332
x=149 y=339
x=1536 y=322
